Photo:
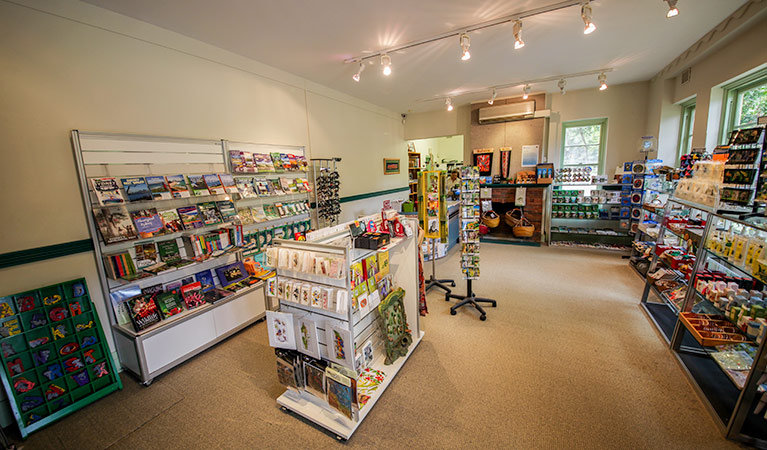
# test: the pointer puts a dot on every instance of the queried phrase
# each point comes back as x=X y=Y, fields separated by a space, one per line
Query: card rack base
x=433 y=281
x=469 y=299
x=317 y=411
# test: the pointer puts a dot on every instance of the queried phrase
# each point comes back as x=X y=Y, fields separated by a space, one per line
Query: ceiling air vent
x=507 y=113
x=686 y=75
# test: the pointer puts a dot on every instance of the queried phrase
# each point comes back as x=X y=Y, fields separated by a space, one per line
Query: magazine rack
x=403 y=260
x=170 y=342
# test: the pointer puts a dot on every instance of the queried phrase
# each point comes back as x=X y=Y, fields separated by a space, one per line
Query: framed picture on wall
x=483 y=159
x=391 y=166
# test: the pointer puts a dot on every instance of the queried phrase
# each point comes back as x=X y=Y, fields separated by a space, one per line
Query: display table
x=503 y=196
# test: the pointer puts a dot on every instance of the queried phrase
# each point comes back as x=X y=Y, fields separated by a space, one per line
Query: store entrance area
x=565 y=360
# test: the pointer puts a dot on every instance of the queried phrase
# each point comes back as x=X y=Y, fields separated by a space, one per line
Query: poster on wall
x=483 y=160
x=529 y=155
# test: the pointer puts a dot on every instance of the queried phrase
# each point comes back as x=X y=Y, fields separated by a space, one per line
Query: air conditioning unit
x=507 y=113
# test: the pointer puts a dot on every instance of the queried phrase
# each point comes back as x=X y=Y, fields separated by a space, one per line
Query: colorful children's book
x=107 y=191
x=214 y=184
x=263 y=162
x=177 y=186
x=169 y=304
x=227 y=181
x=237 y=161
x=227 y=210
x=171 y=221
x=276 y=162
x=245 y=187
x=158 y=187
x=258 y=214
x=148 y=222
x=115 y=224
x=192 y=295
x=146 y=255
x=136 y=189
x=206 y=280
x=190 y=217
x=209 y=213
x=197 y=185
x=246 y=216
x=143 y=312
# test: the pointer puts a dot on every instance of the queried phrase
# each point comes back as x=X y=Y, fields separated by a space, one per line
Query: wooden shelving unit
x=413 y=166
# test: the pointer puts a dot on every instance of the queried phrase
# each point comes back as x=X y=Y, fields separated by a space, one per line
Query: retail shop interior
x=382 y=225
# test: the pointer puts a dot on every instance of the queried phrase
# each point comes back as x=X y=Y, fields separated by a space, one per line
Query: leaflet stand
x=469 y=299
x=433 y=281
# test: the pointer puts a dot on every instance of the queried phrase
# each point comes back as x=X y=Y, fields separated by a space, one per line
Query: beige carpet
x=566 y=360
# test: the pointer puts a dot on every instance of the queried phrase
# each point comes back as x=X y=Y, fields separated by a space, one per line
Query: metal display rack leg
x=469 y=299
x=433 y=281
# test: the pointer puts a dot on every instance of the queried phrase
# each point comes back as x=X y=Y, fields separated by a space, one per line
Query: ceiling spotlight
x=672 y=10
x=518 y=42
x=356 y=76
x=492 y=99
x=589 y=26
x=386 y=62
x=449 y=104
x=602 y=81
x=561 y=85
x=526 y=91
x=465 y=43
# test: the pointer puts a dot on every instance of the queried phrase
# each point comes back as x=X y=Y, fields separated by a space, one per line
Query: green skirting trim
x=509 y=241
x=353 y=198
x=42 y=253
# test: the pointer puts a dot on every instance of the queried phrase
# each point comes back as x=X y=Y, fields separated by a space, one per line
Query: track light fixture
x=492 y=99
x=356 y=76
x=561 y=85
x=589 y=26
x=526 y=92
x=465 y=44
x=518 y=42
x=386 y=63
x=602 y=81
x=449 y=104
x=672 y=9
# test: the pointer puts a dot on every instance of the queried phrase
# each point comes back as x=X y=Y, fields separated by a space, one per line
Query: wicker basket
x=491 y=219
x=524 y=229
x=513 y=217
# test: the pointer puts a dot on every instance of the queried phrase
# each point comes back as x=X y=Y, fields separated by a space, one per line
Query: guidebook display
x=55 y=357
x=470 y=222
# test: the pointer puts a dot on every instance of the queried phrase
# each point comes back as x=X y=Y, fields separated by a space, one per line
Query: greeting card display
x=280 y=329
x=469 y=221
x=306 y=337
x=339 y=345
x=57 y=361
x=432 y=210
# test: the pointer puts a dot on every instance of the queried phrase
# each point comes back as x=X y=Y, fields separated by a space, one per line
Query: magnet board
x=55 y=357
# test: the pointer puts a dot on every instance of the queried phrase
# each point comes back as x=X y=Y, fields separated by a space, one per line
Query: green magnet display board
x=55 y=357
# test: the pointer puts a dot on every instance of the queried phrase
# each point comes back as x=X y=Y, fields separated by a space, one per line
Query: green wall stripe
x=42 y=253
x=353 y=198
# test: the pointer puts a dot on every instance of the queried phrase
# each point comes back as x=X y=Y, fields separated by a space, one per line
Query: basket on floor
x=491 y=219
x=524 y=230
x=513 y=217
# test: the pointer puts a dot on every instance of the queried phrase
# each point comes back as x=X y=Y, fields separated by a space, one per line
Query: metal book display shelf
x=162 y=346
x=725 y=366
x=364 y=328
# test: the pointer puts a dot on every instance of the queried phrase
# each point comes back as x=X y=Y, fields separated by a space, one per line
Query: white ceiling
x=311 y=38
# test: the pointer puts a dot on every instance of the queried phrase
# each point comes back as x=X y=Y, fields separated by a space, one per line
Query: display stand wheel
x=483 y=317
x=452 y=311
x=148 y=382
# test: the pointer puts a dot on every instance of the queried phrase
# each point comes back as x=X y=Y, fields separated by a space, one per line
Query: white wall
x=447 y=148
x=439 y=123
x=69 y=65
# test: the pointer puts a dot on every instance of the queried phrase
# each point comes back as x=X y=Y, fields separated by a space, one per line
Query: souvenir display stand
x=432 y=212
x=326 y=181
x=709 y=271
x=169 y=342
x=363 y=328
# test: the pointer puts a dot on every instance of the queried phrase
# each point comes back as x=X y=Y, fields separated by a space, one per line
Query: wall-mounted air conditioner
x=507 y=113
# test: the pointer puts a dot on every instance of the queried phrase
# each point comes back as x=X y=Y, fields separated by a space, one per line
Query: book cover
x=237 y=161
x=120 y=303
x=245 y=187
x=231 y=273
x=6 y=307
x=152 y=291
x=285 y=184
x=148 y=222
x=276 y=188
x=136 y=189
x=168 y=251
x=271 y=212
x=169 y=304
x=177 y=186
x=190 y=217
x=261 y=187
x=146 y=255
x=287 y=163
x=173 y=286
x=197 y=185
x=280 y=209
x=206 y=280
x=227 y=210
x=314 y=374
x=143 y=312
x=246 y=216
x=192 y=295
x=263 y=162
x=115 y=224
x=339 y=392
x=171 y=221
x=107 y=191
x=213 y=183
x=158 y=187
x=286 y=371
x=227 y=181
x=209 y=213
x=276 y=161
x=258 y=214
x=250 y=165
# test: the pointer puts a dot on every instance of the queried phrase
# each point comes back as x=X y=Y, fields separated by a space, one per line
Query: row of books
x=157 y=187
x=259 y=214
x=246 y=162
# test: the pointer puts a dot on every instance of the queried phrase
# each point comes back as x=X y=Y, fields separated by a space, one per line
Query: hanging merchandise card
x=280 y=329
x=306 y=337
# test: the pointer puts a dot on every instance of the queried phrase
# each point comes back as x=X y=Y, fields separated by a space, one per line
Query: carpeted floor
x=566 y=360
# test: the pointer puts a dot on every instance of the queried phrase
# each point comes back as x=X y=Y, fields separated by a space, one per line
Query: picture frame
x=391 y=166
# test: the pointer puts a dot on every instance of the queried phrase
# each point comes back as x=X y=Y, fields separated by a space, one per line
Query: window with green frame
x=745 y=102
x=685 y=129
x=583 y=144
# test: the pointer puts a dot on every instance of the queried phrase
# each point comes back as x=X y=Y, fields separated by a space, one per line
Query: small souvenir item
x=328 y=300
x=367 y=353
x=306 y=337
x=280 y=293
x=364 y=304
x=393 y=320
x=295 y=293
x=317 y=296
x=280 y=329
x=340 y=392
x=306 y=294
x=286 y=369
x=314 y=374
x=288 y=290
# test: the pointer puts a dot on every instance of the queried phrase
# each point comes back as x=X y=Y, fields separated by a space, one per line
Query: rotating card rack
x=403 y=260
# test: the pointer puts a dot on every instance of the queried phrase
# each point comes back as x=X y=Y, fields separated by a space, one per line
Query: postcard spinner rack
x=403 y=260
